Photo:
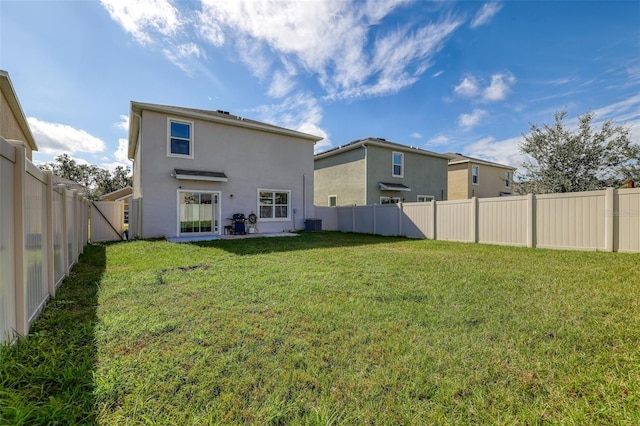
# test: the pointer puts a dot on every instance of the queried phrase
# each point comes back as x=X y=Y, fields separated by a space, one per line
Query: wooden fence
x=607 y=220
x=43 y=230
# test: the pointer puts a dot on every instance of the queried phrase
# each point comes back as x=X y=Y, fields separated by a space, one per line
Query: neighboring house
x=376 y=171
x=194 y=169
x=122 y=194
x=472 y=177
x=13 y=123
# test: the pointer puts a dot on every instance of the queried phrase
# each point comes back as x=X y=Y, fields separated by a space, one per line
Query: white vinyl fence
x=107 y=221
x=607 y=220
x=43 y=230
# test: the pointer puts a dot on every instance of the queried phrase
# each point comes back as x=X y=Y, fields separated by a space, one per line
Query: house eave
x=138 y=107
x=380 y=143
x=14 y=105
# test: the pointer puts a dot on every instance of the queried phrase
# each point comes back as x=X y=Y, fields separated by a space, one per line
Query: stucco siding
x=9 y=126
x=250 y=159
x=459 y=178
x=342 y=175
x=425 y=175
x=491 y=184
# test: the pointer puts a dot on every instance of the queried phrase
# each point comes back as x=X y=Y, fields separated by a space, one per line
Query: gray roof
x=378 y=142
x=457 y=158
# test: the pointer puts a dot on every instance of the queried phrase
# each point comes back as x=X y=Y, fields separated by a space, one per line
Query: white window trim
x=393 y=164
x=397 y=199
x=218 y=213
x=477 y=174
x=507 y=179
x=191 y=144
x=329 y=200
x=426 y=196
x=274 y=219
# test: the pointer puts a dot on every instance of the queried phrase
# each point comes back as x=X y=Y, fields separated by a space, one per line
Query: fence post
x=51 y=279
x=609 y=208
x=375 y=220
x=400 y=214
x=353 y=218
x=65 y=230
x=434 y=210
x=531 y=220
x=19 y=183
x=473 y=228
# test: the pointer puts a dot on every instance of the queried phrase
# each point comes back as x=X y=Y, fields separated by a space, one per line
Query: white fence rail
x=43 y=230
x=607 y=220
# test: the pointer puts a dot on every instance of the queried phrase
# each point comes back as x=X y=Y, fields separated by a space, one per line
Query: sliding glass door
x=198 y=212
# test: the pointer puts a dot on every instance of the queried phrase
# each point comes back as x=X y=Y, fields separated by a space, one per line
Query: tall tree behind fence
x=43 y=230
x=607 y=220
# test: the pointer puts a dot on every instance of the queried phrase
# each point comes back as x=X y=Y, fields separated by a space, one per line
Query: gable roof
x=457 y=158
x=381 y=143
x=14 y=105
x=219 y=116
x=118 y=194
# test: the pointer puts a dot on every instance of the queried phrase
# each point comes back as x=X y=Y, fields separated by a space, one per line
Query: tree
x=584 y=159
x=98 y=181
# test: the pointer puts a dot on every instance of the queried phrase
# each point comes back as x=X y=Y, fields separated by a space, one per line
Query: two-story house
x=472 y=177
x=376 y=171
x=194 y=169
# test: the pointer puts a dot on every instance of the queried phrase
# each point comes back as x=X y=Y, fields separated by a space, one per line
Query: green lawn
x=330 y=328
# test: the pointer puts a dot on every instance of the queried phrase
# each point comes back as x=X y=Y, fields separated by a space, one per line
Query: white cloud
x=298 y=32
x=471 y=87
x=505 y=151
x=281 y=85
x=485 y=14
x=499 y=87
x=415 y=135
x=55 y=138
x=438 y=140
x=468 y=87
x=143 y=18
x=180 y=55
x=300 y=112
x=467 y=121
x=123 y=124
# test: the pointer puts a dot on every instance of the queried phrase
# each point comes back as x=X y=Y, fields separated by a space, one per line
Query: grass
x=332 y=328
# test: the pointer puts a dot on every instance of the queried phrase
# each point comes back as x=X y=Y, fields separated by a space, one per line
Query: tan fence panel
x=107 y=221
x=628 y=215
x=7 y=261
x=346 y=219
x=503 y=220
x=571 y=220
x=36 y=253
x=453 y=220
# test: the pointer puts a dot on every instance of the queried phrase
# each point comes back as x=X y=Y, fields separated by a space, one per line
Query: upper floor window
x=180 y=138
x=475 y=175
x=398 y=164
x=507 y=179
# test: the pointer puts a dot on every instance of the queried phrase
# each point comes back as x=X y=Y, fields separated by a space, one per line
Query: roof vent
x=222 y=112
x=381 y=139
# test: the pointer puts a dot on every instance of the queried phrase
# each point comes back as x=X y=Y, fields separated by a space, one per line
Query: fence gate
x=107 y=221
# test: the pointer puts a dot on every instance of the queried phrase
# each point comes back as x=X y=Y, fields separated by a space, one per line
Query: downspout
x=365 y=172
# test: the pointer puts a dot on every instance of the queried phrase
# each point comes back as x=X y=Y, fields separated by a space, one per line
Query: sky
x=467 y=77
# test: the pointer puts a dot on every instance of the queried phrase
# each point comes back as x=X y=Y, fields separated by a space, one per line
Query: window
x=333 y=200
x=507 y=179
x=198 y=212
x=475 y=175
x=273 y=205
x=425 y=198
x=398 y=164
x=390 y=200
x=180 y=140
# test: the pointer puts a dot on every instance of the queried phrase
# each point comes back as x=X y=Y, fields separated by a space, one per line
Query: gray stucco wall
x=424 y=174
x=343 y=175
x=250 y=159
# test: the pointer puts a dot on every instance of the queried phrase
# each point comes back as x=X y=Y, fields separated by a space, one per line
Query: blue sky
x=465 y=77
